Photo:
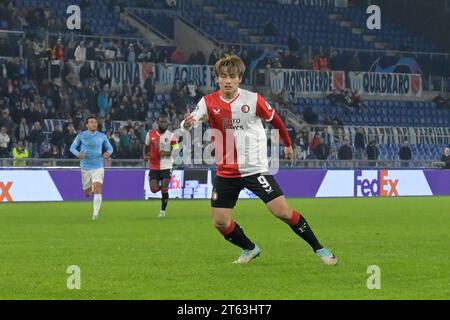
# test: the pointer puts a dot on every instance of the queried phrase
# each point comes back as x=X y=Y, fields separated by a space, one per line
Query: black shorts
x=226 y=190
x=160 y=174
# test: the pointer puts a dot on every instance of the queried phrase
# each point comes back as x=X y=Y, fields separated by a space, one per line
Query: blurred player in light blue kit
x=92 y=143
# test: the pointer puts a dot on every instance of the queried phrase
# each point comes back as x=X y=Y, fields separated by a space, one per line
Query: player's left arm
x=108 y=147
x=268 y=114
x=147 y=147
x=173 y=146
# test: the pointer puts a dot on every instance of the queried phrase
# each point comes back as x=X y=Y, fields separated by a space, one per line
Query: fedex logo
x=5 y=194
x=174 y=182
x=371 y=183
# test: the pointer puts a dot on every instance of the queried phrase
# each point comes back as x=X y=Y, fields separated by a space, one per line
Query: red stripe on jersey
x=263 y=109
x=277 y=123
x=155 y=159
x=220 y=118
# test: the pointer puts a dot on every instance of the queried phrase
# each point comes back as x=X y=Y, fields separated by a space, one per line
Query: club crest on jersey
x=245 y=108
x=216 y=111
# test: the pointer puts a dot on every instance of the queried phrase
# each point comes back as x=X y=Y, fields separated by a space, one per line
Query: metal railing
x=8 y=163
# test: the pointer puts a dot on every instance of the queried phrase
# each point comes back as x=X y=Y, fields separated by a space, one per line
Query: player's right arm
x=73 y=148
x=199 y=114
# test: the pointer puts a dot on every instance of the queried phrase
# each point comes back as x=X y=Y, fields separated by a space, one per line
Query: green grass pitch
x=131 y=254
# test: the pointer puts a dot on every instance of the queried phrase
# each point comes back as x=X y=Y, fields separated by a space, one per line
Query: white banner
x=200 y=75
x=27 y=185
x=386 y=84
x=374 y=183
x=117 y=73
x=306 y=81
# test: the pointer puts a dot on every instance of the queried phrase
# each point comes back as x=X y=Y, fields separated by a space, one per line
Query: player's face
x=162 y=124
x=229 y=82
x=92 y=125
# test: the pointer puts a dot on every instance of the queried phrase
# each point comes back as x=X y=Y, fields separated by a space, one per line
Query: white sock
x=97 y=203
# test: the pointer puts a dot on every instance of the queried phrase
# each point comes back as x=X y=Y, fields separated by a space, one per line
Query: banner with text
x=386 y=84
x=306 y=81
x=132 y=184
x=200 y=75
x=117 y=73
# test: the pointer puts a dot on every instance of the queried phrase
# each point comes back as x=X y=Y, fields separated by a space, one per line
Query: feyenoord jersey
x=241 y=150
x=157 y=142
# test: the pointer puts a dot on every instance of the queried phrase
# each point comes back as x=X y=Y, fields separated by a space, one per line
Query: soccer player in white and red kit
x=241 y=158
x=159 y=144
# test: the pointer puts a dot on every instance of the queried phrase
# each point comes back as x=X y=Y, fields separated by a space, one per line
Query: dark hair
x=163 y=115
x=90 y=117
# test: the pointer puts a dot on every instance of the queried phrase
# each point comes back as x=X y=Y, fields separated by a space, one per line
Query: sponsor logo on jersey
x=234 y=124
x=245 y=108
x=216 y=111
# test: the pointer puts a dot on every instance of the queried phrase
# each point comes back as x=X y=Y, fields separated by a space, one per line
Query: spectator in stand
x=80 y=52
x=20 y=152
x=356 y=101
x=322 y=151
x=446 y=158
x=179 y=97
x=328 y=121
x=213 y=57
x=131 y=56
x=124 y=144
x=270 y=29
x=103 y=103
x=86 y=74
x=360 y=144
x=22 y=130
x=90 y=51
x=372 y=153
x=36 y=139
x=345 y=151
x=334 y=61
x=4 y=143
x=322 y=61
x=338 y=120
x=69 y=135
x=201 y=58
x=315 y=63
x=293 y=43
x=346 y=98
x=177 y=56
x=57 y=137
x=441 y=102
x=334 y=97
x=5 y=121
x=405 y=154
x=314 y=143
x=57 y=58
